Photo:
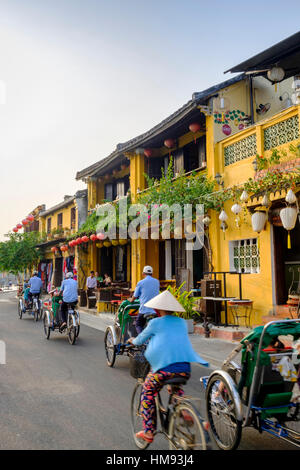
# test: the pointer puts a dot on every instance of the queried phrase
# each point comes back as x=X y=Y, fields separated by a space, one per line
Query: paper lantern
x=148 y=152
x=288 y=217
x=115 y=242
x=107 y=244
x=53 y=249
x=19 y=226
x=122 y=241
x=15 y=229
x=85 y=239
x=236 y=209
x=290 y=197
x=169 y=143
x=30 y=218
x=100 y=236
x=223 y=216
x=25 y=222
x=99 y=244
x=244 y=196
x=276 y=74
x=258 y=220
x=195 y=127
x=265 y=201
x=78 y=241
x=207 y=220
x=93 y=237
x=71 y=243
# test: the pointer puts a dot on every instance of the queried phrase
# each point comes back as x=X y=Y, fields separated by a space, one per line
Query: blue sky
x=82 y=76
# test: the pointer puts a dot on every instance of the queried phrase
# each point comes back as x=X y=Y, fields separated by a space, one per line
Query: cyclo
x=33 y=307
x=116 y=335
x=52 y=322
x=259 y=393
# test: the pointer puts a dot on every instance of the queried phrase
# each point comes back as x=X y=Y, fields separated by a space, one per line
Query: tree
x=19 y=252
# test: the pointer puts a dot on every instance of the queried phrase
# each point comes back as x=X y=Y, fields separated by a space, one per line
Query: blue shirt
x=169 y=343
x=145 y=290
x=36 y=284
x=69 y=288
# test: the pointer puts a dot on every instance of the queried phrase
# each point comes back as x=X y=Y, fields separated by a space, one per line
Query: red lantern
x=101 y=236
x=19 y=226
x=195 y=127
x=78 y=241
x=169 y=143
x=85 y=239
x=148 y=152
x=15 y=229
x=70 y=243
x=30 y=218
x=53 y=249
x=24 y=222
x=93 y=237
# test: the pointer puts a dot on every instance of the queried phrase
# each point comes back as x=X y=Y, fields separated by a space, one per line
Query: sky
x=77 y=77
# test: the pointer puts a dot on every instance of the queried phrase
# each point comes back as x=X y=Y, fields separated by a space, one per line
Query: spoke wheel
x=35 y=313
x=71 y=330
x=186 y=432
x=222 y=414
x=46 y=326
x=110 y=349
x=20 y=310
x=136 y=416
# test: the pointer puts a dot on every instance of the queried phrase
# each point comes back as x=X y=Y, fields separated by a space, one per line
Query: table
x=239 y=304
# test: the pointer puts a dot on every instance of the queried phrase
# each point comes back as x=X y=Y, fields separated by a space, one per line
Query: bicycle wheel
x=35 y=312
x=110 y=350
x=20 y=310
x=46 y=326
x=71 y=330
x=136 y=416
x=223 y=411
x=185 y=429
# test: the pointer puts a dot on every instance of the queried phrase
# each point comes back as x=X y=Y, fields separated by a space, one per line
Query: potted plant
x=188 y=303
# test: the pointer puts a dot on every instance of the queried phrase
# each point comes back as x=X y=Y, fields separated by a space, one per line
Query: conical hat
x=165 y=301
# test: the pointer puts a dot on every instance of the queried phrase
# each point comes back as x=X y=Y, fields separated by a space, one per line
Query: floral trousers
x=154 y=382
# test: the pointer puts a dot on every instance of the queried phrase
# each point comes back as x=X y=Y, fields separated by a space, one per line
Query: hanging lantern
x=258 y=220
x=195 y=127
x=30 y=218
x=53 y=249
x=169 y=143
x=101 y=236
x=115 y=242
x=15 y=229
x=207 y=220
x=244 y=196
x=275 y=75
x=122 y=241
x=290 y=197
x=71 y=244
x=19 y=226
x=288 y=217
x=78 y=241
x=85 y=239
x=265 y=201
x=223 y=216
x=236 y=209
x=25 y=222
x=99 y=244
x=93 y=237
x=107 y=244
x=148 y=152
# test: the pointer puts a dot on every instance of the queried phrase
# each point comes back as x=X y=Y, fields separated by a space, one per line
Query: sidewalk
x=213 y=350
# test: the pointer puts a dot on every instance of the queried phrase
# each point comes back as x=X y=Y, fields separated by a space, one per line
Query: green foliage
x=19 y=252
x=185 y=299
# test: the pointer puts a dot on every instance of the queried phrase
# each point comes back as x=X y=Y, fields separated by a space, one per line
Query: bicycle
x=73 y=323
x=183 y=432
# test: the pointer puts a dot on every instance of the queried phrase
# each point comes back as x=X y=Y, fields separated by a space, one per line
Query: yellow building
x=219 y=133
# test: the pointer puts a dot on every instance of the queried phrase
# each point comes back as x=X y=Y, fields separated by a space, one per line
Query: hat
x=148 y=270
x=69 y=274
x=165 y=301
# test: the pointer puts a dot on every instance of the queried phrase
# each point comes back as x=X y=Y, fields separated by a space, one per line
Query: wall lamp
x=219 y=180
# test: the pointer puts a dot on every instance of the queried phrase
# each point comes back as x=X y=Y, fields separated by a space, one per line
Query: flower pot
x=190 y=325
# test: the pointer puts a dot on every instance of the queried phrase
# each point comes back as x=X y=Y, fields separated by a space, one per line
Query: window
x=120 y=189
x=73 y=217
x=59 y=220
x=244 y=256
x=109 y=192
x=195 y=154
x=49 y=225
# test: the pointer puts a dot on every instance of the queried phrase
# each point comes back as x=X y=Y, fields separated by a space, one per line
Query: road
x=57 y=396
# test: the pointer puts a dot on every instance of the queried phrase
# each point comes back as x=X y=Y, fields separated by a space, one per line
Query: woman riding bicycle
x=169 y=353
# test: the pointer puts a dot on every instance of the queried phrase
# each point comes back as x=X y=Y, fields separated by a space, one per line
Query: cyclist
x=69 y=290
x=36 y=285
x=169 y=352
x=145 y=290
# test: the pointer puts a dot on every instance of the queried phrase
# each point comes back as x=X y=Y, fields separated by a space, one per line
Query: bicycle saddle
x=176 y=381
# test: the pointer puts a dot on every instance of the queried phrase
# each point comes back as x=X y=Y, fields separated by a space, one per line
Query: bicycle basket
x=139 y=366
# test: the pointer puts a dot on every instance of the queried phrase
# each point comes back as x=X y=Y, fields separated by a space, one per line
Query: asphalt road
x=57 y=396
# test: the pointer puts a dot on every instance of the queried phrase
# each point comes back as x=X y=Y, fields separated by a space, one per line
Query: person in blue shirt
x=169 y=352
x=69 y=290
x=145 y=290
x=36 y=285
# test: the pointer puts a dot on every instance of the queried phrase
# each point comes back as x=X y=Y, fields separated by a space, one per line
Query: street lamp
x=218 y=179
